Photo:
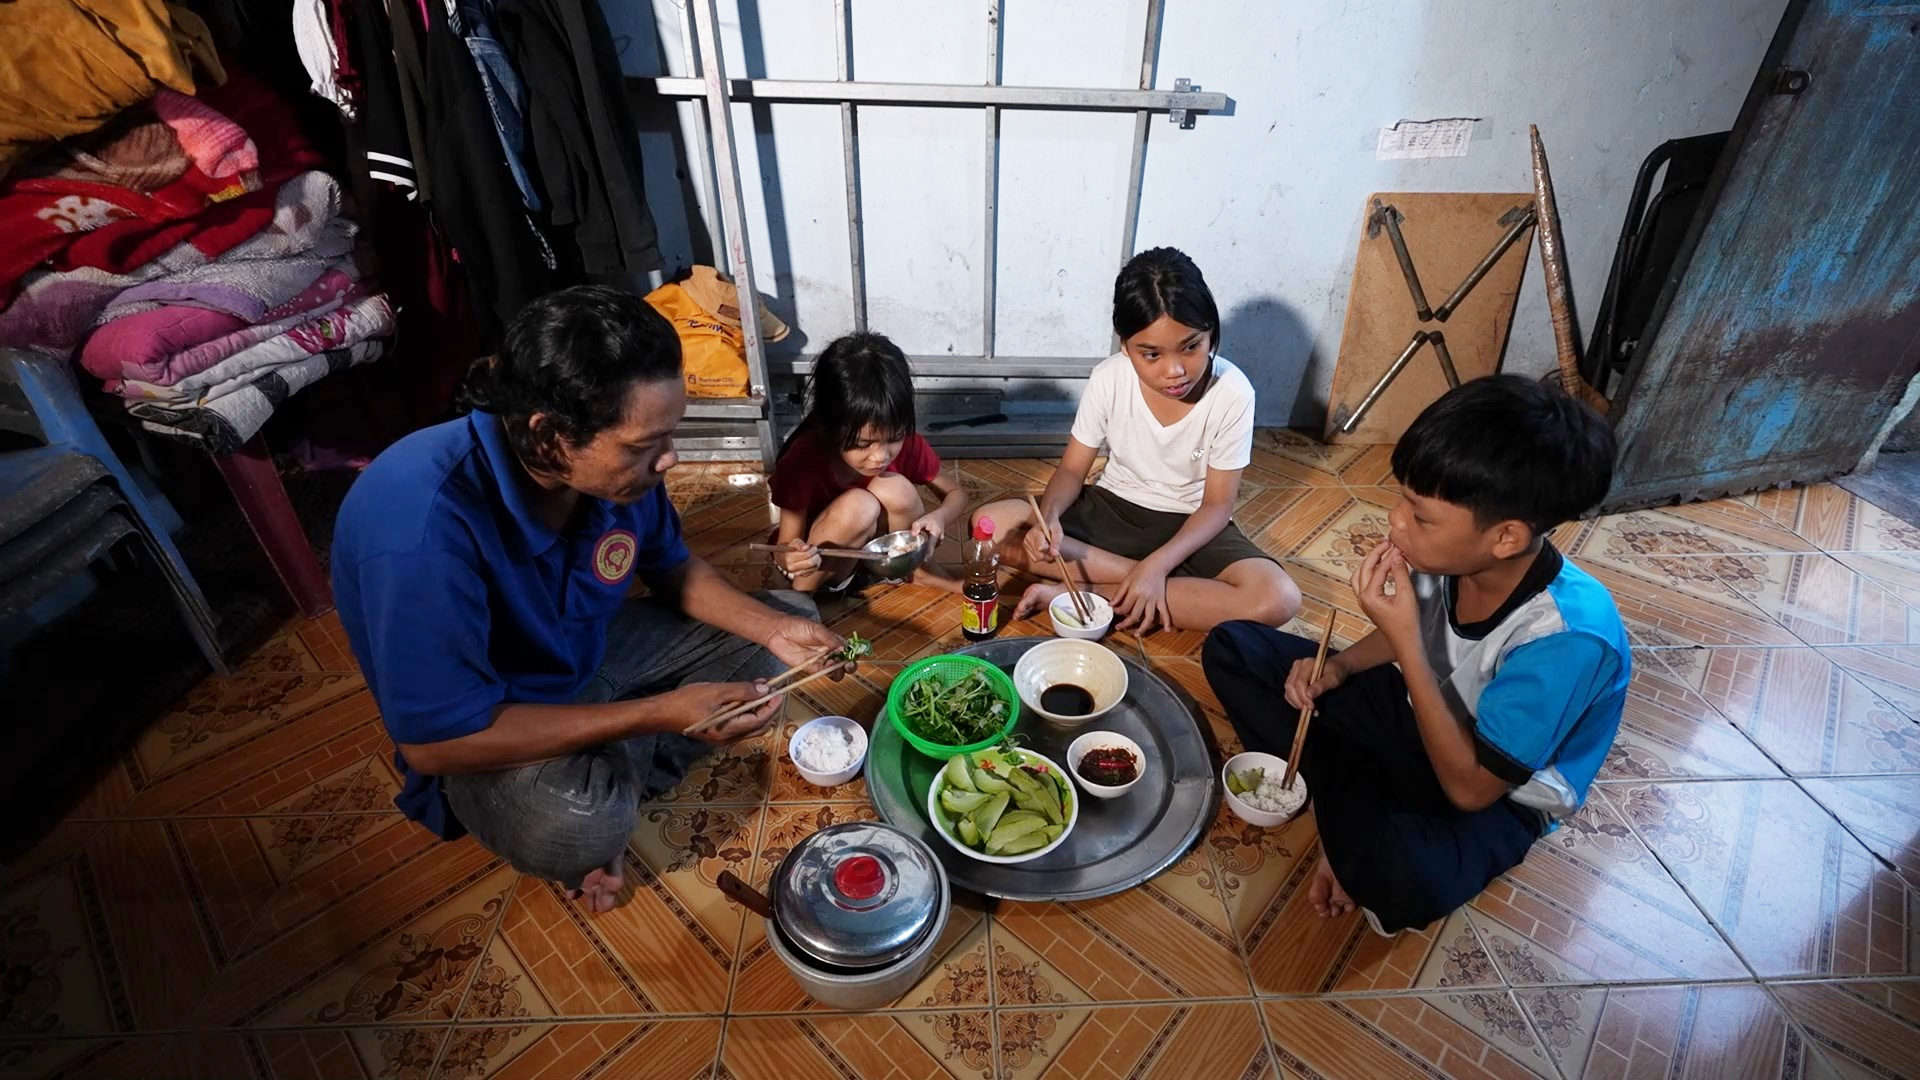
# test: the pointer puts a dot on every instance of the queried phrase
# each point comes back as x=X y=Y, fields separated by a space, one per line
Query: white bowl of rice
x=1270 y=804
x=828 y=750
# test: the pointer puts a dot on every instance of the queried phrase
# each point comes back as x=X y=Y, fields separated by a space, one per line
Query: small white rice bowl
x=1066 y=621
x=1287 y=804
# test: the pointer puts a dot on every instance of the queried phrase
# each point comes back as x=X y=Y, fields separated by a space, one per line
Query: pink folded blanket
x=168 y=343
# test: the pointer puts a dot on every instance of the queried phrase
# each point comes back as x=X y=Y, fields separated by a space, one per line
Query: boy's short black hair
x=1509 y=449
x=571 y=356
x=861 y=381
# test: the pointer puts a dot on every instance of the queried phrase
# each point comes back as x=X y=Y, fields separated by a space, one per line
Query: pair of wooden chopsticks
x=1066 y=569
x=1306 y=714
x=778 y=685
x=828 y=553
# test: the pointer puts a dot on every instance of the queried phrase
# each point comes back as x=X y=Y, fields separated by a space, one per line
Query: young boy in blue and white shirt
x=1476 y=714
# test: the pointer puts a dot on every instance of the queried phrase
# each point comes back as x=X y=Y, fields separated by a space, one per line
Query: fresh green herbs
x=953 y=713
x=855 y=648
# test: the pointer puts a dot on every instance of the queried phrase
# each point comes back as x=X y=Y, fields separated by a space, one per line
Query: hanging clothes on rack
x=315 y=37
x=472 y=22
x=581 y=134
x=507 y=261
x=387 y=149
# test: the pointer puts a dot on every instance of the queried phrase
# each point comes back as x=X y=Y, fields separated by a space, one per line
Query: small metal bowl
x=907 y=550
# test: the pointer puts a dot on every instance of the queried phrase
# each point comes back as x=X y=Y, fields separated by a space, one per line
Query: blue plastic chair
x=58 y=410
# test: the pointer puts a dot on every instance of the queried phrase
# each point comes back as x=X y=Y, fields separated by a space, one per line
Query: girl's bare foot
x=600 y=889
x=1325 y=894
x=1037 y=597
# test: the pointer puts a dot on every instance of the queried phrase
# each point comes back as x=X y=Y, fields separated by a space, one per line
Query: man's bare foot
x=1325 y=894
x=600 y=889
x=1037 y=597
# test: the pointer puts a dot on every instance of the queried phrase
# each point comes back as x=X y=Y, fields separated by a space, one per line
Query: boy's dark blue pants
x=1396 y=843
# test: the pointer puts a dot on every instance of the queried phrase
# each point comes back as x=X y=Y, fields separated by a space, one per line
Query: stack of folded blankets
x=189 y=254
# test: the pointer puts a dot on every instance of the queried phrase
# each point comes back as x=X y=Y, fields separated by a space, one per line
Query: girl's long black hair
x=1163 y=281
x=860 y=382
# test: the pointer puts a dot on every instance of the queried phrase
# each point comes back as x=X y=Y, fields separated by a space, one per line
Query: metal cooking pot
x=855 y=912
x=905 y=549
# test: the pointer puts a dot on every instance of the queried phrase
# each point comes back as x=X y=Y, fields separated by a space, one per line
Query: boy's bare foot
x=1325 y=894
x=1037 y=597
x=600 y=889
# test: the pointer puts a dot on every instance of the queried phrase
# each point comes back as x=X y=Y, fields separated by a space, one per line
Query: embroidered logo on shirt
x=613 y=557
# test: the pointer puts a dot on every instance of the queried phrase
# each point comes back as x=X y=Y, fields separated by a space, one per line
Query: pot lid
x=858 y=894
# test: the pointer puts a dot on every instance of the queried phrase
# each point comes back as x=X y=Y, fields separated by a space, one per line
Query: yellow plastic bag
x=704 y=312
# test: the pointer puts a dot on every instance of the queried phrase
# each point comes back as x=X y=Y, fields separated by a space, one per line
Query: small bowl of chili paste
x=1105 y=763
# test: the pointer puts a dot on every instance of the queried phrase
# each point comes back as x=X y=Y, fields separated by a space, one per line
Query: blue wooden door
x=1786 y=339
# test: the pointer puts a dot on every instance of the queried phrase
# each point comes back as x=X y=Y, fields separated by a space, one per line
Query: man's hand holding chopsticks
x=814 y=653
x=695 y=702
x=796 y=641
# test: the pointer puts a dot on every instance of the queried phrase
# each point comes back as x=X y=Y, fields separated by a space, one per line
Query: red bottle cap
x=983 y=529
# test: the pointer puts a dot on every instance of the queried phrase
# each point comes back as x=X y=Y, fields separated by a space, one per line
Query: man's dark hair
x=861 y=381
x=1509 y=449
x=572 y=356
x=1163 y=281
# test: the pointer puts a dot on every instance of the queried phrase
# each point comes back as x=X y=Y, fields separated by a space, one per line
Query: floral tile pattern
x=1791 y=889
x=1592 y=904
x=237 y=896
x=1670 y=732
x=1809 y=714
x=1824 y=602
x=1834 y=519
x=221 y=712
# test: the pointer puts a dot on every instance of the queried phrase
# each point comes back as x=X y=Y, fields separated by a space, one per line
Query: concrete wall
x=1268 y=199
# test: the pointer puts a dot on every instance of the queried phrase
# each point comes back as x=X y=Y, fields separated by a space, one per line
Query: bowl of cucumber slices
x=1002 y=805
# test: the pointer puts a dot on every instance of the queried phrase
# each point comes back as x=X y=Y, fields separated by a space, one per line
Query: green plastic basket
x=951 y=669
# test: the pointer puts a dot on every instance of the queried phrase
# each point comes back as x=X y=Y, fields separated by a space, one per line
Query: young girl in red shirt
x=852 y=469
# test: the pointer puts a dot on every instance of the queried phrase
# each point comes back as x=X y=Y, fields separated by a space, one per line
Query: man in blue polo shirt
x=482 y=569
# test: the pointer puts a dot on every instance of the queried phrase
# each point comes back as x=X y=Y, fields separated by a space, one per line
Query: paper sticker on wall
x=1426 y=138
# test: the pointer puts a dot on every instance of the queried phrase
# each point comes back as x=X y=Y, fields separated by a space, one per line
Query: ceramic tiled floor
x=238 y=899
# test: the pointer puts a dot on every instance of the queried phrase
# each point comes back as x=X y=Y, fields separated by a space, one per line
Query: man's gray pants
x=562 y=819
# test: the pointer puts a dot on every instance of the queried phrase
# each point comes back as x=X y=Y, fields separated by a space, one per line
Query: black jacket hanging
x=580 y=134
x=507 y=262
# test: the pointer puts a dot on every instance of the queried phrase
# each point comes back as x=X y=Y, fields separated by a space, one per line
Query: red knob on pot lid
x=859 y=894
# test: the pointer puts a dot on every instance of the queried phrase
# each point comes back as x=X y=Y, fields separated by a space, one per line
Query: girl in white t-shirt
x=1155 y=535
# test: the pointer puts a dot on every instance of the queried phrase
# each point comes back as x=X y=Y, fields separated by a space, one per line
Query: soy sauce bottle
x=980 y=618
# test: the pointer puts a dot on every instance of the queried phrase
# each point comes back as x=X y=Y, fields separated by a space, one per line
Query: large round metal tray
x=1118 y=843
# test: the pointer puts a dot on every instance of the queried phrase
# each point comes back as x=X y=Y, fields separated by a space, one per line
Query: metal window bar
x=720 y=168
x=850 y=157
x=990 y=187
x=726 y=172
